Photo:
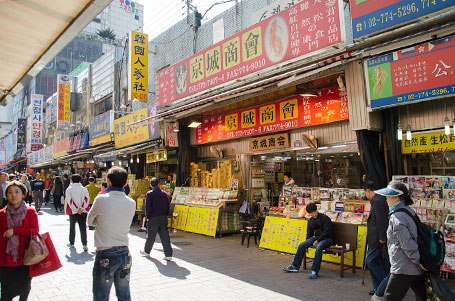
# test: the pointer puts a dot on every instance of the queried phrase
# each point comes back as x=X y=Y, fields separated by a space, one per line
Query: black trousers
x=398 y=286
x=158 y=225
x=81 y=219
x=57 y=201
x=15 y=281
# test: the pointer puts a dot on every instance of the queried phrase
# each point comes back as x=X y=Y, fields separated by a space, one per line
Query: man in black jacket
x=376 y=236
x=319 y=233
x=157 y=207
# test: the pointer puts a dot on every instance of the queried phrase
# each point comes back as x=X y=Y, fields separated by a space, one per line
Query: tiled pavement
x=204 y=268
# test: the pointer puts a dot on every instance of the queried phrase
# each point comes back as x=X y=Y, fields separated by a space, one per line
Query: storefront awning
x=128 y=150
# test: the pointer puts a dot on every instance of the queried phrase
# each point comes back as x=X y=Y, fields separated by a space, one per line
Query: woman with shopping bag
x=17 y=221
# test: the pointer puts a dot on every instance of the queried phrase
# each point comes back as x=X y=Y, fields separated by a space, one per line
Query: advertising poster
x=428 y=143
x=413 y=74
x=138 y=66
x=300 y=30
x=35 y=126
x=63 y=101
x=331 y=105
x=202 y=221
x=373 y=16
x=128 y=131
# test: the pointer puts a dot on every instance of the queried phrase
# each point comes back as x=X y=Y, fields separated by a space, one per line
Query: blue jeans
x=378 y=266
x=380 y=291
x=112 y=266
x=317 y=256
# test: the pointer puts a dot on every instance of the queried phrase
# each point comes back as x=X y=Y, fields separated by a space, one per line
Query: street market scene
x=237 y=150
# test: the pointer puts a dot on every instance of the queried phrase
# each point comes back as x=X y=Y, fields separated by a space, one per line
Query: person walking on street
x=157 y=207
x=16 y=223
x=66 y=183
x=76 y=206
x=92 y=190
x=319 y=235
x=47 y=189
x=57 y=193
x=103 y=188
x=406 y=271
x=3 y=184
x=28 y=196
x=111 y=216
x=377 y=223
x=37 y=192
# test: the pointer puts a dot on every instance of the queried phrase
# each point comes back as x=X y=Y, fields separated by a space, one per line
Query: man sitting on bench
x=319 y=233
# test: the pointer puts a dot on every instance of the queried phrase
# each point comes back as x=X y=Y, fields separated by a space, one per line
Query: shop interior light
x=408 y=133
x=341 y=145
x=131 y=160
x=323 y=147
x=194 y=124
x=400 y=132
x=309 y=93
x=137 y=160
x=446 y=126
x=317 y=160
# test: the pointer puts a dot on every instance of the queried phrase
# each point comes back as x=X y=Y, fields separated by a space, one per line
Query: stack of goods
x=434 y=197
x=194 y=182
x=210 y=197
x=217 y=178
x=229 y=221
x=138 y=187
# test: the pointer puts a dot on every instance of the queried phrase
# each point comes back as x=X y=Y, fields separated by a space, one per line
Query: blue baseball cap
x=394 y=188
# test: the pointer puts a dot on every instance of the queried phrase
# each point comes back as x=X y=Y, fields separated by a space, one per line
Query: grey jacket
x=402 y=243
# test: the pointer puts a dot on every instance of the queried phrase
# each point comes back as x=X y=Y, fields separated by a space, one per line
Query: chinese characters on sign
x=100 y=128
x=128 y=131
x=372 y=16
x=291 y=33
x=269 y=142
x=61 y=147
x=291 y=113
x=157 y=156
x=272 y=9
x=21 y=133
x=428 y=143
x=63 y=101
x=138 y=66
x=417 y=73
x=170 y=135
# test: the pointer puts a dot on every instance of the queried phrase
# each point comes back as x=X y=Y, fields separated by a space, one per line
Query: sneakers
x=167 y=258
x=376 y=298
x=70 y=245
x=291 y=269
x=313 y=275
x=85 y=248
x=145 y=254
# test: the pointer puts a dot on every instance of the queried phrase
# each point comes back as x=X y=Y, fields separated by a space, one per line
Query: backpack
x=431 y=244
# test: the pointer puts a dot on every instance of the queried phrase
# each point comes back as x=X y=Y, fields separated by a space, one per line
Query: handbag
x=437 y=289
x=50 y=263
x=36 y=250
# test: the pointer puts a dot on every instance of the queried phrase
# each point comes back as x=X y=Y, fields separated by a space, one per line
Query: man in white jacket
x=77 y=206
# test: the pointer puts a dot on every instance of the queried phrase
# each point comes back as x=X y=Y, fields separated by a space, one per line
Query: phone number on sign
x=427 y=94
x=263 y=129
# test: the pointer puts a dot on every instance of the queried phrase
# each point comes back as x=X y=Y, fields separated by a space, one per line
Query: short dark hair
x=11 y=176
x=18 y=184
x=154 y=182
x=104 y=184
x=311 y=208
x=65 y=176
x=76 y=178
x=288 y=174
x=118 y=176
x=369 y=186
x=91 y=179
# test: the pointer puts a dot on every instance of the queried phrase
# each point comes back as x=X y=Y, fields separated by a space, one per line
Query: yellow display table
x=285 y=234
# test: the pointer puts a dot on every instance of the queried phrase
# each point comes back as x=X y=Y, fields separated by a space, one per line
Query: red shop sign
x=278 y=116
x=295 y=32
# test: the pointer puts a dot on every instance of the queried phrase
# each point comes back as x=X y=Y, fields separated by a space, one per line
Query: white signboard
x=272 y=9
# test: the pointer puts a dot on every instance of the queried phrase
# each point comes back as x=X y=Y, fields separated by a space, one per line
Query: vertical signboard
x=138 y=66
x=373 y=16
x=63 y=101
x=35 y=128
x=171 y=136
x=413 y=74
x=20 y=133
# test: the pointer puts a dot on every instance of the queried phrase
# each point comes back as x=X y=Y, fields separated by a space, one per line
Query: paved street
x=203 y=268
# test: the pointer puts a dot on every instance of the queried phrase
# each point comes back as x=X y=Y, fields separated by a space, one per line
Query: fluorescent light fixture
x=309 y=93
x=176 y=130
x=323 y=147
x=341 y=145
x=399 y=132
x=317 y=160
x=263 y=158
x=408 y=133
x=446 y=126
x=194 y=124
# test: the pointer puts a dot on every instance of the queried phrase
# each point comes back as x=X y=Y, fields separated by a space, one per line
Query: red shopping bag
x=50 y=263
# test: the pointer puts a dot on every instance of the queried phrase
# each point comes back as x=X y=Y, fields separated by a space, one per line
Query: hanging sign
x=414 y=74
x=63 y=101
x=269 y=142
x=291 y=34
x=21 y=126
x=101 y=125
x=373 y=16
x=160 y=155
x=34 y=124
x=61 y=147
x=170 y=135
x=278 y=116
x=428 y=143
x=138 y=66
x=127 y=131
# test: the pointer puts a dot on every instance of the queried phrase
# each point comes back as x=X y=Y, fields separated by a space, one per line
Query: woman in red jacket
x=16 y=222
